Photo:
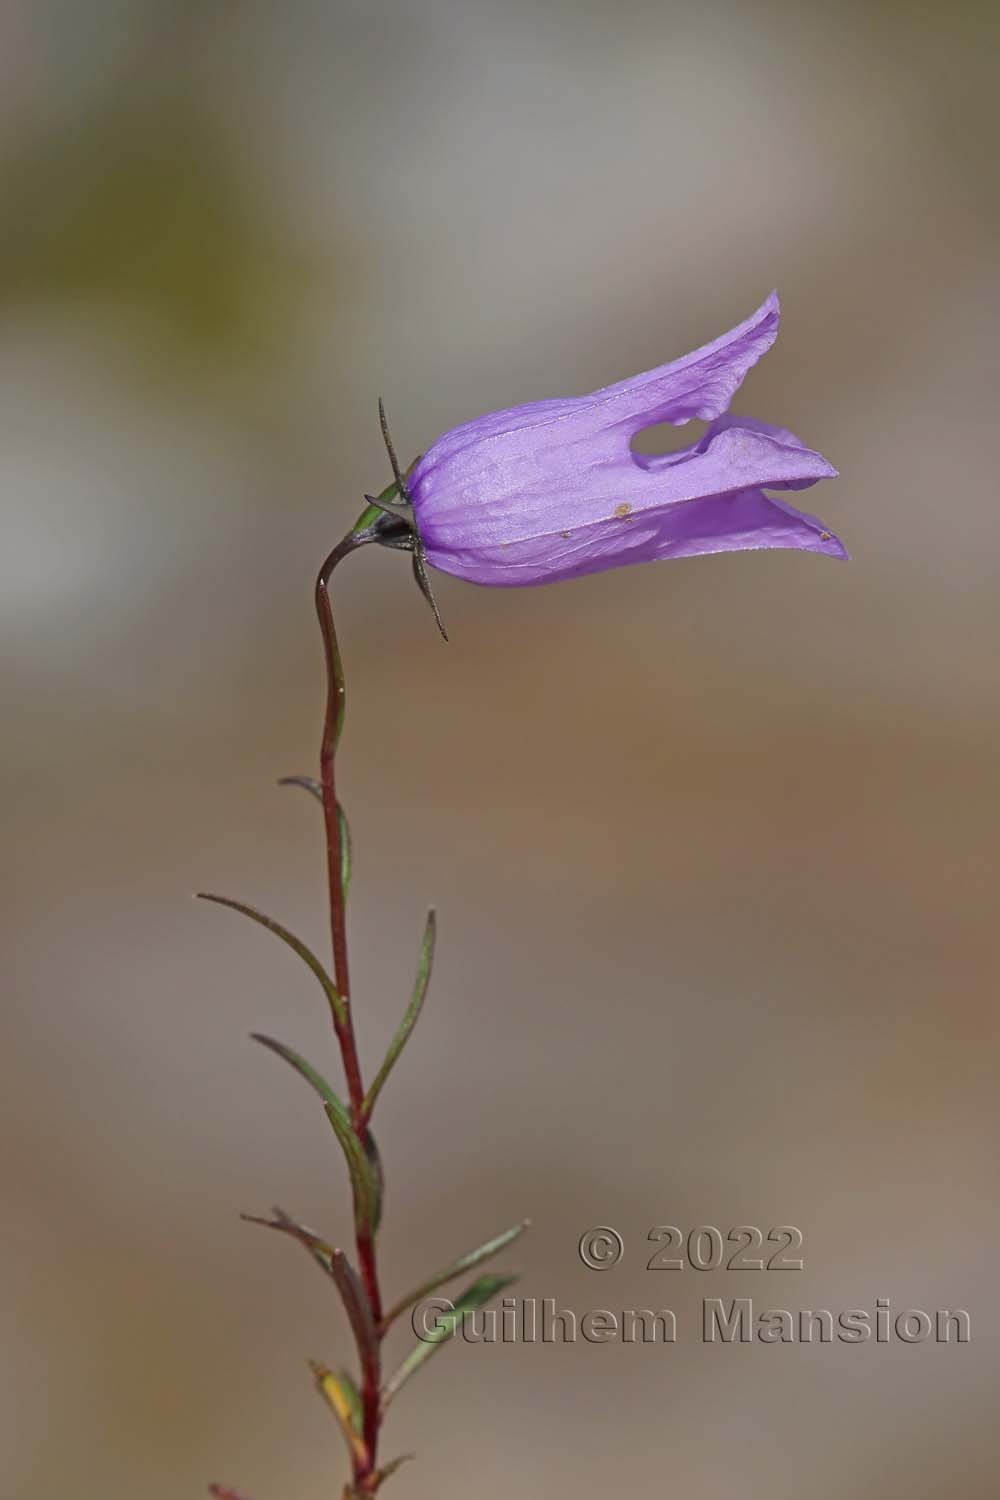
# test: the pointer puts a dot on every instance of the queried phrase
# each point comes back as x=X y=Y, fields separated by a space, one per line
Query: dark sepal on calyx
x=396 y=526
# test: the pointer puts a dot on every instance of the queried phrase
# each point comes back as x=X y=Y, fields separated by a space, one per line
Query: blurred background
x=712 y=844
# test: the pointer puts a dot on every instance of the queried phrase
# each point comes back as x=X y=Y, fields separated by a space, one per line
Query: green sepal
x=371 y=513
x=474 y=1297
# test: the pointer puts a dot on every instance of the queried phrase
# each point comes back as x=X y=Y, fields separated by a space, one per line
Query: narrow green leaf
x=365 y=1185
x=390 y=1468
x=336 y=1391
x=311 y=785
x=474 y=1297
x=321 y=1252
x=375 y=1169
x=305 y=1070
x=296 y=944
x=307 y=783
x=456 y=1268
x=358 y=1311
x=345 y=849
x=406 y=1025
x=350 y=1390
x=337 y=1266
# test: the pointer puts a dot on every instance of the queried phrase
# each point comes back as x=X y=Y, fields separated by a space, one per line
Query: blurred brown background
x=712 y=844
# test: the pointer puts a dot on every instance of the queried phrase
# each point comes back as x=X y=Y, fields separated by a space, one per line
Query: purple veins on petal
x=554 y=489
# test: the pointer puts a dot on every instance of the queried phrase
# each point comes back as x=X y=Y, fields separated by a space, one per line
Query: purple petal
x=743 y=522
x=591 y=484
x=736 y=453
x=738 y=522
x=497 y=428
x=554 y=489
x=701 y=384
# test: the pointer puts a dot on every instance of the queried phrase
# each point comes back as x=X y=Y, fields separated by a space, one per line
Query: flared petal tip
x=830 y=545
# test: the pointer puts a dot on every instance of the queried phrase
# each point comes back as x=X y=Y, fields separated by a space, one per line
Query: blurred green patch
x=145 y=206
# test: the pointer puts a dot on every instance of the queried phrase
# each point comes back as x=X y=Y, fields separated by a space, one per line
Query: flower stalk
x=333 y=722
x=527 y=496
x=369 y=1349
x=359 y=1290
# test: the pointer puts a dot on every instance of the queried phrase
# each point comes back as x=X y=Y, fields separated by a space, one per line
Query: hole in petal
x=665 y=439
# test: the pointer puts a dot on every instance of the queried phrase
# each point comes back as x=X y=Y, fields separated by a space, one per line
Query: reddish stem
x=332 y=723
x=343 y=1024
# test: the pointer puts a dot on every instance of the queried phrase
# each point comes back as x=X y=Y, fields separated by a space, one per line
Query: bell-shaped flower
x=554 y=489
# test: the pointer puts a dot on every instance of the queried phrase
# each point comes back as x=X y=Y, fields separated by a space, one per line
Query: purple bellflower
x=553 y=489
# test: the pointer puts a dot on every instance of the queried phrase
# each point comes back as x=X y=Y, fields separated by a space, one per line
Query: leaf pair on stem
x=361 y=1156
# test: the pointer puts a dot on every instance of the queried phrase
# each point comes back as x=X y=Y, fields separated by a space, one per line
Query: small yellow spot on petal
x=566 y=535
x=826 y=536
x=623 y=511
